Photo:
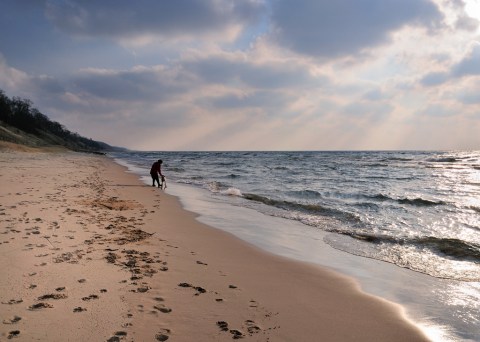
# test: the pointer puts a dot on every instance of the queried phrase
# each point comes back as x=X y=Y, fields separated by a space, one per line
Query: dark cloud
x=471 y=97
x=239 y=72
x=467 y=23
x=375 y=95
x=126 y=18
x=147 y=84
x=434 y=79
x=326 y=29
x=267 y=100
x=470 y=65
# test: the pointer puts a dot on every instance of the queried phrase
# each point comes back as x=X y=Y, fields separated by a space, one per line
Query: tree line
x=21 y=114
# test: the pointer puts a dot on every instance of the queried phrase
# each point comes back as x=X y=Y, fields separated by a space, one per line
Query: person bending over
x=155 y=171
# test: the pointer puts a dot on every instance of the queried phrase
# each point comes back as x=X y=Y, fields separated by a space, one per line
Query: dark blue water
x=418 y=210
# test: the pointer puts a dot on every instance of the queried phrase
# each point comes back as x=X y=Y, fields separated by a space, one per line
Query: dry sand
x=89 y=253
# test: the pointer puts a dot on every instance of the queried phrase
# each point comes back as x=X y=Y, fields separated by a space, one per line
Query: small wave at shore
x=451 y=247
x=316 y=209
x=410 y=201
x=454 y=258
x=232 y=192
x=443 y=160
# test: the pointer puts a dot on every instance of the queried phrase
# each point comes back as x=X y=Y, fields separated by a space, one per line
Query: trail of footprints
x=120 y=232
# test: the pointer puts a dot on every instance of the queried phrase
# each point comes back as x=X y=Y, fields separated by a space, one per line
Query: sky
x=250 y=74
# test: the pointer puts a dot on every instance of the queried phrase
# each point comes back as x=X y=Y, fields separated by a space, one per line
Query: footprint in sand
x=236 y=334
x=163 y=335
x=79 y=309
x=13 y=301
x=39 y=306
x=252 y=327
x=92 y=296
x=222 y=325
x=13 y=334
x=197 y=288
x=52 y=296
x=118 y=335
x=13 y=320
x=162 y=308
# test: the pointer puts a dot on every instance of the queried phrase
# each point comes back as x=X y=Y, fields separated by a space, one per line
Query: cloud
x=138 y=84
x=464 y=22
x=470 y=65
x=129 y=19
x=469 y=94
x=242 y=70
x=434 y=79
x=329 y=29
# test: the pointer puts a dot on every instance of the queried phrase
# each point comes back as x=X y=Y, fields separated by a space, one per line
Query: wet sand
x=88 y=252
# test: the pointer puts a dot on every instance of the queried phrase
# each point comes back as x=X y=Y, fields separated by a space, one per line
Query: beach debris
x=40 y=306
x=111 y=257
x=232 y=286
x=79 y=309
x=81 y=280
x=134 y=235
x=60 y=289
x=71 y=258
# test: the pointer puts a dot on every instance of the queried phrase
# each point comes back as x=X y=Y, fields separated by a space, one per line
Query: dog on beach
x=163 y=185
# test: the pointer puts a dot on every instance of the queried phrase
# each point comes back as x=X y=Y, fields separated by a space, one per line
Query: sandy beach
x=90 y=253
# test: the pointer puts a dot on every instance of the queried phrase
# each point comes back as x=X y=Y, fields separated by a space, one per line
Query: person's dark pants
x=155 y=178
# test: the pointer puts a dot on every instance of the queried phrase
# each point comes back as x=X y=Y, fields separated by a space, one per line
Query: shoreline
x=166 y=275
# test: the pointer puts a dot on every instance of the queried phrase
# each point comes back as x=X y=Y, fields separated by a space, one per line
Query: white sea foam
x=232 y=192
